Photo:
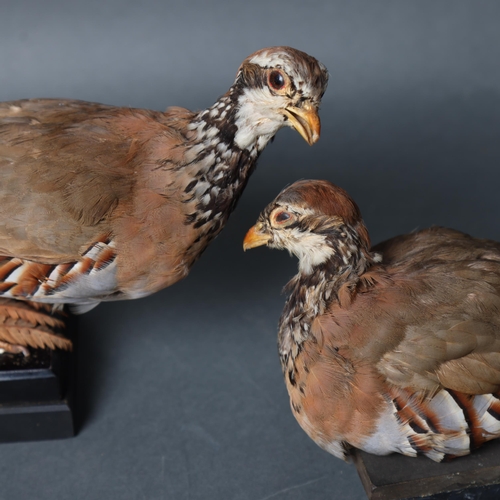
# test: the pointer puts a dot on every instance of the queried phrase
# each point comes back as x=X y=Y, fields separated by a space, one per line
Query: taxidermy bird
x=395 y=349
x=103 y=203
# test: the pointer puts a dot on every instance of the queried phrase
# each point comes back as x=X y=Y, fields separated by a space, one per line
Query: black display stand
x=37 y=394
x=396 y=477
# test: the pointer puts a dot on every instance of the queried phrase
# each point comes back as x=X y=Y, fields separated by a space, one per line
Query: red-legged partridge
x=394 y=349
x=102 y=203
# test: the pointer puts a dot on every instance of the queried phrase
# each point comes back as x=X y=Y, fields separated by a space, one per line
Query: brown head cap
x=328 y=199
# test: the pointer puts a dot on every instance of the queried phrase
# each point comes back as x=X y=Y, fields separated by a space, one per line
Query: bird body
x=103 y=203
x=394 y=349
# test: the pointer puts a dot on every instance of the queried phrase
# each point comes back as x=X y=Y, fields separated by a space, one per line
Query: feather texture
x=30 y=324
x=394 y=349
x=103 y=203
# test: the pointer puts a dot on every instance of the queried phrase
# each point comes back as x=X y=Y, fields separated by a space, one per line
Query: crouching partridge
x=394 y=349
x=102 y=203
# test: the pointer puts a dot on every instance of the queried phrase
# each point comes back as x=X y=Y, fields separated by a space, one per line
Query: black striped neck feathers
x=321 y=225
x=274 y=87
x=219 y=169
x=315 y=287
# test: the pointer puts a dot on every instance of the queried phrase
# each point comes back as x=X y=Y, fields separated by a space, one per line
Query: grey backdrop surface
x=181 y=394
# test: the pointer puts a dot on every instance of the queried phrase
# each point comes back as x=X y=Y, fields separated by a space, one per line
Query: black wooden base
x=36 y=395
x=396 y=477
x=36 y=422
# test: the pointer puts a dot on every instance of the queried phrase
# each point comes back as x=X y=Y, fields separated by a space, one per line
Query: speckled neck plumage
x=218 y=169
x=311 y=293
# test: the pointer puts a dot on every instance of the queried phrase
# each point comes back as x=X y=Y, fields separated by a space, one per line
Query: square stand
x=396 y=477
x=36 y=395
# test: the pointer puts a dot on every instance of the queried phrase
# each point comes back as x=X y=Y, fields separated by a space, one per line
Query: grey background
x=181 y=393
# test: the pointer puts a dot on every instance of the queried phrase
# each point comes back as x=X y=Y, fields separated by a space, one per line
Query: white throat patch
x=311 y=249
x=257 y=117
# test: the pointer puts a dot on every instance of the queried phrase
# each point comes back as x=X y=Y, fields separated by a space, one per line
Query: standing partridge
x=394 y=349
x=103 y=203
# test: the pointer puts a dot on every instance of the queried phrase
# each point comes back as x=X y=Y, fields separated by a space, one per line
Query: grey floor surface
x=181 y=394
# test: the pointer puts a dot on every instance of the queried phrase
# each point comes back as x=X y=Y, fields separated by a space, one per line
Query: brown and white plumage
x=102 y=203
x=395 y=349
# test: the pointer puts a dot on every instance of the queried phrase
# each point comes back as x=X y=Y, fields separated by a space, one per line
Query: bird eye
x=276 y=80
x=282 y=217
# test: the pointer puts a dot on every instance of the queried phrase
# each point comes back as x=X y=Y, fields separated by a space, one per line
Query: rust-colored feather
x=393 y=351
x=153 y=187
x=30 y=324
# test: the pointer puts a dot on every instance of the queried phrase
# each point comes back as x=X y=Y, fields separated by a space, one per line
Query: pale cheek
x=311 y=250
x=258 y=118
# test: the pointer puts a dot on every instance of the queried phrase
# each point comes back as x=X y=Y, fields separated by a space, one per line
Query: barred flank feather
x=393 y=351
x=101 y=203
x=31 y=324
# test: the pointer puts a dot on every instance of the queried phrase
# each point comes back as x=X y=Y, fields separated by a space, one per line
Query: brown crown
x=328 y=199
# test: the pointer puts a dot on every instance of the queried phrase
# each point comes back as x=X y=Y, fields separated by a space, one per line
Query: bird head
x=279 y=86
x=314 y=220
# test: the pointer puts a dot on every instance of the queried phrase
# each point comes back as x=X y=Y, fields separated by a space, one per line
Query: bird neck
x=315 y=288
x=217 y=165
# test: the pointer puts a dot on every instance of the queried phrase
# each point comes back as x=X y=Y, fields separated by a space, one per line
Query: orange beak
x=255 y=238
x=305 y=121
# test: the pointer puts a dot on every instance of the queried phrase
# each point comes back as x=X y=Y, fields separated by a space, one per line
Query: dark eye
x=282 y=217
x=276 y=80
